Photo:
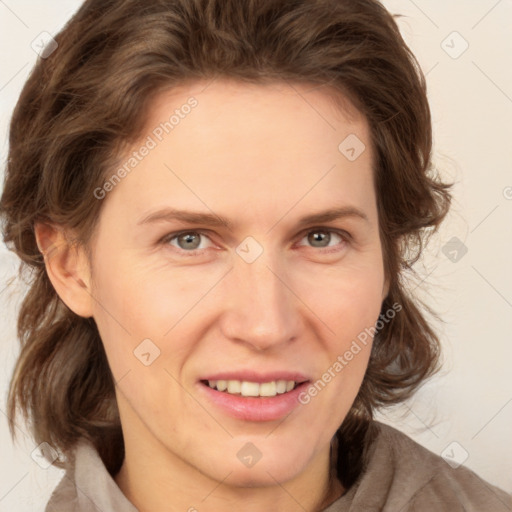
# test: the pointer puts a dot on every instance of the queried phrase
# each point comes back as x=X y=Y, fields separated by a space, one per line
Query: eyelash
x=346 y=237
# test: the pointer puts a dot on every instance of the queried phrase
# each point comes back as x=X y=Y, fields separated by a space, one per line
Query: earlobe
x=67 y=267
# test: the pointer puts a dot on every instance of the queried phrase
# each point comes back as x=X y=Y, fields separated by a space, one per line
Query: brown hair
x=89 y=97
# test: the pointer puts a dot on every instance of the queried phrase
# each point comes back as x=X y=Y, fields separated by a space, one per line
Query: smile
x=254 y=389
x=247 y=400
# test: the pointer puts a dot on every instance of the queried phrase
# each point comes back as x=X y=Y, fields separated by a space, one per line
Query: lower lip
x=254 y=408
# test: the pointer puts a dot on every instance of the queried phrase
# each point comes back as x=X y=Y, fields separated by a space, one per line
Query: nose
x=262 y=310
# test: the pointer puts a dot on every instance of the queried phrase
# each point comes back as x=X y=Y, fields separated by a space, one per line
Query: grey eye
x=189 y=240
x=319 y=238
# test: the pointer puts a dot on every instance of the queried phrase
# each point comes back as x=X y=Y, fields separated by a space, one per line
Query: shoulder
x=87 y=486
x=64 y=496
x=417 y=479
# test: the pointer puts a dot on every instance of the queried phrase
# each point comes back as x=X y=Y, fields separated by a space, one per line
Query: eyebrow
x=211 y=219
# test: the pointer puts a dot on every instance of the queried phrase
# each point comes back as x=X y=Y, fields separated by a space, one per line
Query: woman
x=288 y=143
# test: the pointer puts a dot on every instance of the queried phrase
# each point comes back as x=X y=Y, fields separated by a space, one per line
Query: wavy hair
x=88 y=99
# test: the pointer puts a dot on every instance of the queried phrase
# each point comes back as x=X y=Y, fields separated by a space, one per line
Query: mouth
x=252 y=395
x=246 y=388
x=253 y=401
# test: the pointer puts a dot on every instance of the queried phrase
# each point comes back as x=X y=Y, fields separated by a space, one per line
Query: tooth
x=280 y=386
x=234 y=386
x=268 y=389
x=250 y=389
x=253 y=389
x=222 y=385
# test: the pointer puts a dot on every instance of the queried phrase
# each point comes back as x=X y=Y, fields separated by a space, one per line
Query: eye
x=188 y=242
x=321 y=238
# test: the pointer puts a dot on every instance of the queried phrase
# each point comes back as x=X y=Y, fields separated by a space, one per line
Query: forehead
x=228 y=100
x=229 y=142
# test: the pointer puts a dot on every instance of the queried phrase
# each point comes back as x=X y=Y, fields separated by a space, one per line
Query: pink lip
x=252 y=376
x=254 y=408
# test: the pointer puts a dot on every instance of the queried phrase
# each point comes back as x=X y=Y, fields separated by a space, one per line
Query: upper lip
x=254 y=376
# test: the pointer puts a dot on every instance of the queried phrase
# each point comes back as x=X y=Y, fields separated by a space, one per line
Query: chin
x=276 y=466
x=261 y=478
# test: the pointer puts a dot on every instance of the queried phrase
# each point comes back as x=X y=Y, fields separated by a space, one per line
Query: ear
x=67 y=267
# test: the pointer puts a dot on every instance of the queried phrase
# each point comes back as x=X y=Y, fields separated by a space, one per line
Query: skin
x=262 y=156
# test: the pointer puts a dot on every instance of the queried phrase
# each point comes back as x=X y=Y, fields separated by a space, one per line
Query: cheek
x=140 y=300
x=141 y=310
x=349 y=306
x=347 y=301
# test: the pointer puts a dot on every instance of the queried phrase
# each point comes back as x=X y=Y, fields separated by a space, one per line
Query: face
x=248 y=296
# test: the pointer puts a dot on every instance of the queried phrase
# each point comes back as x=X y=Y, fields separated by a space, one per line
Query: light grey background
x=467 y=410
